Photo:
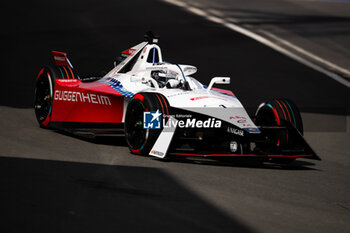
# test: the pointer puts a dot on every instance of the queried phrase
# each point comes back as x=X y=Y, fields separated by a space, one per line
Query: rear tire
x=44 y=95
x=140 y=140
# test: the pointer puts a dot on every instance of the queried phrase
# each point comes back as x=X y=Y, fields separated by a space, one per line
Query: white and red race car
x=163 y=111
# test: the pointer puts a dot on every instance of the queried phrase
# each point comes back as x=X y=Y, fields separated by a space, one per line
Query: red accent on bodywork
x=200 y=97
x=129 y=51
x=68 y=106
x=68 y=82
x=242 y=155
x=223 y=91
x=93 y=86
x=139 y=97
x=205 y=97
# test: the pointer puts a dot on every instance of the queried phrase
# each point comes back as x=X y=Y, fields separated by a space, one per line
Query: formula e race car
x=163 y=111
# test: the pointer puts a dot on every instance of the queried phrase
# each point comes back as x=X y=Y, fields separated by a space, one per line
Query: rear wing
x=64 y=65
x=61 y=59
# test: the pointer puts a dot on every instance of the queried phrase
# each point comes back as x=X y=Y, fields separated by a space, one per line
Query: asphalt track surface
x=53 y=182
x=321 y=27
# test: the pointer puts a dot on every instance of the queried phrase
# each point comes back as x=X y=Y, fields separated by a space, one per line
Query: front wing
x=228 y=141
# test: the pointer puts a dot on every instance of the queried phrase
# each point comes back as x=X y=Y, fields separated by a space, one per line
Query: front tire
x=139 y=139
x=274 y=112
x=279 y=112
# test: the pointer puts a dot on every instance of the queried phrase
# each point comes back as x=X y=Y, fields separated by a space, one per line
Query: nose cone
x=221 y=106
x=202 y=98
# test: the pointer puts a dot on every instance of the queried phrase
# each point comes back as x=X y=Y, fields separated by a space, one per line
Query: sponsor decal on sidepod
x=76 y=96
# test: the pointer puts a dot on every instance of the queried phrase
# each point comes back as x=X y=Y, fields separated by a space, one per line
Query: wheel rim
x=135 y=133
x=42 y=103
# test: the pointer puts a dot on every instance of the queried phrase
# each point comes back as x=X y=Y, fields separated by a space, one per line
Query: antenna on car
x=151 y=38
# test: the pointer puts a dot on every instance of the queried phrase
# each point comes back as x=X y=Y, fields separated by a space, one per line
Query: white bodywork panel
x=197 y=98
x=162 y=144
x=213 y=103
x=133 y=51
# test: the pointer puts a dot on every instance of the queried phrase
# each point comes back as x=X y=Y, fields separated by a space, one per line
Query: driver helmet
x=166 y=78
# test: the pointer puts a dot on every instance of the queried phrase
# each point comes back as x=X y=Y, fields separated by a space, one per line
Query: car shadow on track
x=245 y=162
x=107 y=140
x=54 y=196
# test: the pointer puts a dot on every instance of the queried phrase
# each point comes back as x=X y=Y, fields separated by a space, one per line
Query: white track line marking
x=306 y=53
x=232 y=20
x=197 y=11
x=269 y=43
x=216 y=19
x=177 y=3
x=216 y=13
